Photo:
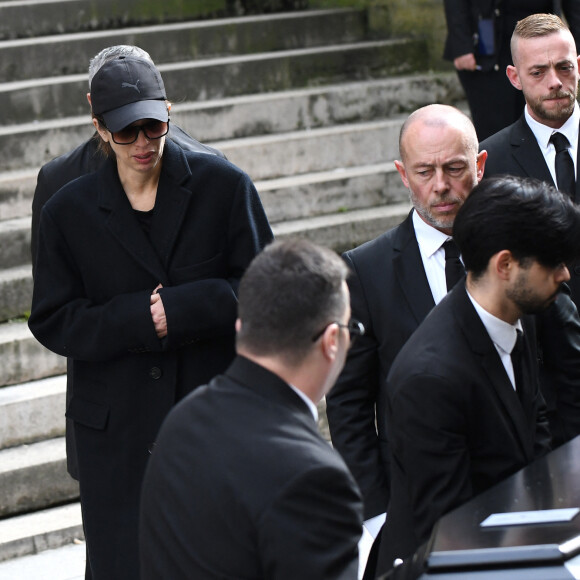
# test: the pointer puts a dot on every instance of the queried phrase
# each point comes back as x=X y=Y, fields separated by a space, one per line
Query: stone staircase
x=308 y=103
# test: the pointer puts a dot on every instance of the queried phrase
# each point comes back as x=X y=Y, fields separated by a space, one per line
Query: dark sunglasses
x=354 y=327
x=152 y=130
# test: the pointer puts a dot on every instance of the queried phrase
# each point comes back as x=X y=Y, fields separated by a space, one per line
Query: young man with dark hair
x=462 y=413
x=240 y=483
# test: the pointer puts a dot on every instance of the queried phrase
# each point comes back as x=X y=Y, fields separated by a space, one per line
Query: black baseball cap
x=127 y=89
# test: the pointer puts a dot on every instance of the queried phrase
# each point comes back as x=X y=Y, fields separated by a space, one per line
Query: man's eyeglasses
x=152 y=130
x=354 y=327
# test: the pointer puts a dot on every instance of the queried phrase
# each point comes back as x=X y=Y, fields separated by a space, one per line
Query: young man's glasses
x=152 y=130
x=354 y=327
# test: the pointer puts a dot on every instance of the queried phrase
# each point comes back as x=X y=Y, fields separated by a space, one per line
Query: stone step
x=39 y=17
x=34 y=477
x=15 y=291
x=33 y=411
x=38 y=531
x=346 y=230
x=24 y=358
x=338 y=190
x=32 y=144
x=16 y=192
x=298 y=152
x=15 y=242
x=60 y=54
x=203 y=80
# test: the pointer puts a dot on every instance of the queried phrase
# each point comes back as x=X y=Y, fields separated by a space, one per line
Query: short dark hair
x=528 y=217
x=290 y=291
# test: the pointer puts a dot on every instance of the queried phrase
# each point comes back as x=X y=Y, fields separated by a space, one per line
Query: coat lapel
x=408 y=267
x=577 y=192
x=171 y=203
x=484 y=350
x=123 y=224
x=527 y=153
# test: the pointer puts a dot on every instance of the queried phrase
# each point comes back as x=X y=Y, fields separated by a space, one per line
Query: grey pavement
x=68 y=563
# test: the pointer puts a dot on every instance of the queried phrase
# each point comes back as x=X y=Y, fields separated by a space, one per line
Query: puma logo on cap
x=126 y=85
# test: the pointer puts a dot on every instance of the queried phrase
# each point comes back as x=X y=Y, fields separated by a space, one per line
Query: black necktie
x=565 y=174
x=454 y=269
x=517 y=356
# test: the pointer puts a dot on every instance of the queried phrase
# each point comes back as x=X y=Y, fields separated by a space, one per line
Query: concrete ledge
x=338 y=190
x=35 y=477
x=16 y=191
x=65 y=96
x=32 y=144
x=14 y=242
x=15 y=291
x=69 y=54
x=33 y=533
x=24 y=358
x=356 y=144
x=36 y=18
x=345 y=231
x=32 y=411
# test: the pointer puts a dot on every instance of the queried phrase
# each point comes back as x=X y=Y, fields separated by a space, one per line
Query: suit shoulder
x=73 y=193
x=213 y=166
x=499 y=139
x=373 y=248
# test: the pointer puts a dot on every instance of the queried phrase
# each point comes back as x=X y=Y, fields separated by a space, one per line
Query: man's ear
x=329 y=342
x=513 y=76
x=481 y=159
x=402 y=172
x=503 y=263
x=238 y=325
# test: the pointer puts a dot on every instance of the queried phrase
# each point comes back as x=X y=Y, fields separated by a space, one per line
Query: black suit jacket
x=390 y=295
x=515 y=151
x=456 y=425
x=241 y=485
x=96 y=269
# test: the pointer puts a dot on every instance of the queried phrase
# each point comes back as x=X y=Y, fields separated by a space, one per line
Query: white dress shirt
x=309 y=403
x=503 y=335
x=431 y=242
x=543 y=134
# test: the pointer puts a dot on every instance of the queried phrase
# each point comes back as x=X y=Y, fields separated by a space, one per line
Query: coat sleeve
x=207 y=308
x=312 y=528
x=460 y=30
x=66 y=322
x=351 y=409
x=558 y=330
x=42 y=194
x=428 y=435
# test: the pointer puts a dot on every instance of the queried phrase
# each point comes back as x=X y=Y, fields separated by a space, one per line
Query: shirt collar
x=543 y=132
x=311 y=406
x=428 y=238
x=502 y=333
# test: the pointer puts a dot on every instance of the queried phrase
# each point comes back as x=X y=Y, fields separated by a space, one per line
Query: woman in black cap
x=136 y=279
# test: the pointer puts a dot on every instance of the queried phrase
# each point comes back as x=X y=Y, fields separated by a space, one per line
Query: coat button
x=155 y=373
